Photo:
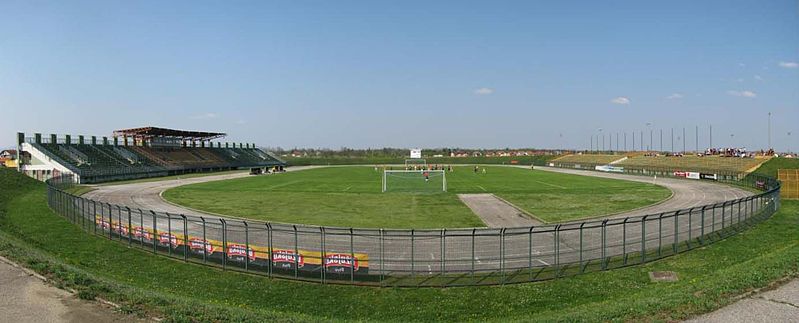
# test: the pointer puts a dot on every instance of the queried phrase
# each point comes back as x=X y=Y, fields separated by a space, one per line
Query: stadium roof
x=152 y=132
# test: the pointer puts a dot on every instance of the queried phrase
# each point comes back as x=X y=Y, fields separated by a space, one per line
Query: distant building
x=8 y=158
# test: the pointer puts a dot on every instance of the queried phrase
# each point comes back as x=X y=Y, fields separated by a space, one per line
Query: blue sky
x=403 y=73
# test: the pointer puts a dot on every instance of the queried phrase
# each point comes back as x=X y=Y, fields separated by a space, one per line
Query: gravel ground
x=26 y=298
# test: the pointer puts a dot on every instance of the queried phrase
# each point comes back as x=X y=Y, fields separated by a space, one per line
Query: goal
x=415 y=181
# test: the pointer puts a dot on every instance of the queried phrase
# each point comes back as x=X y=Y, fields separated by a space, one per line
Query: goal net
x=415 y=181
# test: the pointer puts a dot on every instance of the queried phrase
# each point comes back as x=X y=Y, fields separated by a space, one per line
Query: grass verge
x=710 y=277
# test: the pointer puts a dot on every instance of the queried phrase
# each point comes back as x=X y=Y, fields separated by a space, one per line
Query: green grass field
x=352 y=197
x=143 y=283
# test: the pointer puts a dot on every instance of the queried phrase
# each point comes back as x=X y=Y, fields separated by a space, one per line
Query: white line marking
x=553 y=185
x=482 y=188
x=348 y=188
x=281 y=185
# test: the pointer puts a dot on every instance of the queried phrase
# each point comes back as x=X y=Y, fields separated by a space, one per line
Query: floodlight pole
x=672 y=140
x=625 y=141
x=769 y=130
x=696 y=136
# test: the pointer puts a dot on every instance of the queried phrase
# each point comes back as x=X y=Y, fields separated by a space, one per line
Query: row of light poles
x=597 y=144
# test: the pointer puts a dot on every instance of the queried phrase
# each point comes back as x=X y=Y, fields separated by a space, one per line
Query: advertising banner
x=680 y=174
x=608 y=168
x=692 y=175
x=708 y=176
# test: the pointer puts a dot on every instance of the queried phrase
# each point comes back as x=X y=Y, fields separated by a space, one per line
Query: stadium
x=416 y=221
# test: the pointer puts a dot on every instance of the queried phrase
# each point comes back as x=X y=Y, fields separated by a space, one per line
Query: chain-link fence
x=445 y=257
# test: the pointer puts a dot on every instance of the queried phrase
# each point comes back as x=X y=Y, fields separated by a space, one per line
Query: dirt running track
x=422 y=251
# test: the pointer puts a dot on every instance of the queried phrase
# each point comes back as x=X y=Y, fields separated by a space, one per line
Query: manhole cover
x=663 y=276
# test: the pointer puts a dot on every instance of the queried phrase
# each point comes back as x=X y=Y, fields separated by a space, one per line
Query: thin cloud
x=789 y=64
x=205 y=116
x=675 y=96
x=758 y=77
x=745 y=93
x=484 y=91
x=621 y=100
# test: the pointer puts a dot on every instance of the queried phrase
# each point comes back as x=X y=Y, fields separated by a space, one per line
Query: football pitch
x=353 y=197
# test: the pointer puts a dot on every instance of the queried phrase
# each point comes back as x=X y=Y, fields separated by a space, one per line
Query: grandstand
x=137 y=153
x=732 y=165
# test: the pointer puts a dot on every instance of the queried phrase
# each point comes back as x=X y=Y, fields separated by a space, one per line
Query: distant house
x=8 y=154
x=8 y=158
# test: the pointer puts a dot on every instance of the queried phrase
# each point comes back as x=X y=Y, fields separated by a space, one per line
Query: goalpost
x=421 y=181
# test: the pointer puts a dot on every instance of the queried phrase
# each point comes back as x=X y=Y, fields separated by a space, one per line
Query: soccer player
x=426 y=176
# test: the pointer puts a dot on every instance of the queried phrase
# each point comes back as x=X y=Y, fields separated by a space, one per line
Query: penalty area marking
x=282 y=185
x=553 y=185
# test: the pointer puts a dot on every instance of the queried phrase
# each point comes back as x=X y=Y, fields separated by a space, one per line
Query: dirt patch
x=496 y=212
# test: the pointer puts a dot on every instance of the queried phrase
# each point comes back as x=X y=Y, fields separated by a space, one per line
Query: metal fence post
x=83 y=213
x=723 y=215
x=530 y=253
x=702 y=230
x=556 y=236
x=169 y=233
x=352 y=254
x=224 y=244
x=413 y=267
x=690 y=226
x=119 y=223
x=502 y=255
x=660 y=234
x=675 y=246
x=581 y=248
x=130 y=227
x=624 y=241
x=186 y=238
x=473 y=255
x=297 y=254
x=323 y=253
x=155 y=232
x=110 y=219
x=443 y=250
x=246 y=246
x=94 y=216
x=141 y=226
x=269 y=246
x=604 y=237
x=643 y=238
x=382 y=257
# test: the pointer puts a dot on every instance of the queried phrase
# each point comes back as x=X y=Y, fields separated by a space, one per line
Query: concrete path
x=779 y=305
x=147 y=195
x=402 y=254
x=26 y=298
x=496 y=212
